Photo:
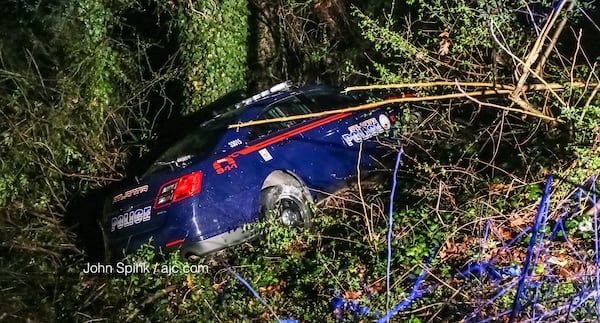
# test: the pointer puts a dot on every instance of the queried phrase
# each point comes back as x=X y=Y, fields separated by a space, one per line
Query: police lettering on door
x=364 y=130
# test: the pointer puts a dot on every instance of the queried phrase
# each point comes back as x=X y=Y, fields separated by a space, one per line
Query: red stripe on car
x=290 y=133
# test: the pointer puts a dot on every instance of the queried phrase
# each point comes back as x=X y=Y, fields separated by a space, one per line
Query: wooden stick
x=529 y=87
x=503 y=89
x=427 y=84
x=497 y=106
x=389 y=101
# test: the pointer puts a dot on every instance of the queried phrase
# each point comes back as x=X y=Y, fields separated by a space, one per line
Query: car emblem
x=385 y=122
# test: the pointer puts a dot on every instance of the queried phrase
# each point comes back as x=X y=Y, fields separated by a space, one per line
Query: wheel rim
x=291 y=212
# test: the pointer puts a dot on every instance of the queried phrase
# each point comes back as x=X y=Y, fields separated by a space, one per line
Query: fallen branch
x=497 y=106
x=427 y=84
x=529 y=87
x=373 y=105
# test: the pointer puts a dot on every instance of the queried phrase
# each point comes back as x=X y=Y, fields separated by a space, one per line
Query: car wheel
x=288 y=203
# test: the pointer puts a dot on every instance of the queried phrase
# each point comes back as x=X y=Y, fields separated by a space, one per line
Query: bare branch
x=515 y=94
x=491 y=105
x=540 y=66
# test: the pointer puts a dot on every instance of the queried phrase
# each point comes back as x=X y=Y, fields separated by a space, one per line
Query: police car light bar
x=277 y=88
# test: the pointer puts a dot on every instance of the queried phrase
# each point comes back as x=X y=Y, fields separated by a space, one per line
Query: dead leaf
x=352 y=295
x=517 y=221
x=556 y=261
x=444 y=43
x=218 y=286
x=189 y=280
x=501 y=187
x=444 y=47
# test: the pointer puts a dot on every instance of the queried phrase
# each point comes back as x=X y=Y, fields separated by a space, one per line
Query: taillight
x=179 y=189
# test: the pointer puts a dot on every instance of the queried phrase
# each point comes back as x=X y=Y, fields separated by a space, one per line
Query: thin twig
x=362 y=197
x=535 y=50
x=587 y=83
x=212 y=310
x=437 y=205
x=516 y=99
x=540 y=66
x=491 y=105
x=591 y=98
x=202 y=14
x=572 y=71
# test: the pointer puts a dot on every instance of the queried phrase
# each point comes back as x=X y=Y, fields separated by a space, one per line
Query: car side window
x=329 y=100
x=291 y=106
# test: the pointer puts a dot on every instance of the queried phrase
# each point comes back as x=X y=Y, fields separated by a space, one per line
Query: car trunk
x=131 y=211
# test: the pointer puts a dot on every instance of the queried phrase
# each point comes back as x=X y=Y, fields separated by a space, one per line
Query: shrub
x=213 y=37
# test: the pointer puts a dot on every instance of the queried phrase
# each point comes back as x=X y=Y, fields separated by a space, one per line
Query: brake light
x=179 y=189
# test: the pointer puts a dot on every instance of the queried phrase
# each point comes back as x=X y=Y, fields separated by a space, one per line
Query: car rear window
x=198 y=144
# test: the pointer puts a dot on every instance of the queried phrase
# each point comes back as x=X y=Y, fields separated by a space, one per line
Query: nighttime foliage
x=90 y=89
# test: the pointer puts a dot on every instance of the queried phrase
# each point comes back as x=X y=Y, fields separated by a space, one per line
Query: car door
x=311 y=148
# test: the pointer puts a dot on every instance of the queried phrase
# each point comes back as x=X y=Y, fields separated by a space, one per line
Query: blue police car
x=200 y=193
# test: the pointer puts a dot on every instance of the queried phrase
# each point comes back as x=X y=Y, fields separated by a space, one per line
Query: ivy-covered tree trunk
x=71 y=94
x=213 y=37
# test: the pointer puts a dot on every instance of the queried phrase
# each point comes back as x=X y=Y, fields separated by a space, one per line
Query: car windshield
x=195 y=145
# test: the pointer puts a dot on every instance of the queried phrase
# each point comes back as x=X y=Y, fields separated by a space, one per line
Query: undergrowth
x=79 y=86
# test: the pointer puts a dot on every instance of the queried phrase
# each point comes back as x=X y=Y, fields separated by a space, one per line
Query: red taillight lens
x=188 y=185
x=179 y=189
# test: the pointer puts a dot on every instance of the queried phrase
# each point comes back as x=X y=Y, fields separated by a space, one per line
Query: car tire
x=288 y=203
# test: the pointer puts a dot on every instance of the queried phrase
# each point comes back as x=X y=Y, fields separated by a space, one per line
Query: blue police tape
x=390 y=224
x=541 y=214
x=543 y=285
x=473 y=317
x=595 y=210
x=488 y=269
x=415 y=293
x=340 y=307
x=245 y=283
x=254 y=292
